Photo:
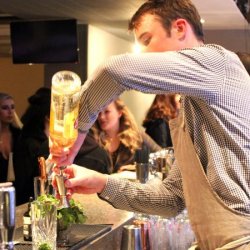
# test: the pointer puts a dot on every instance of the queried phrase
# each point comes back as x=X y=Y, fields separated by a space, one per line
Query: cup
x=44 y=224
x=171 y=233
x=143 y=224
x=142 y=172
x=7 y=215
x=131 y=238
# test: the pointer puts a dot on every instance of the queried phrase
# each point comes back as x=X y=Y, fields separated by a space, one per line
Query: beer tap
x=45 y=176
x=46 y=170
x=62 y=191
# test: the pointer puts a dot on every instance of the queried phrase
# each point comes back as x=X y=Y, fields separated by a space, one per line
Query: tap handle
x=42 y=167
x=60 y=178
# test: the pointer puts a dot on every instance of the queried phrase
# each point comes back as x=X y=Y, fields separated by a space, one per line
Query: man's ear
x=179 y=26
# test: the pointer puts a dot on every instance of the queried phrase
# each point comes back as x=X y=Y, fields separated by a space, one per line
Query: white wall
x=101 y=45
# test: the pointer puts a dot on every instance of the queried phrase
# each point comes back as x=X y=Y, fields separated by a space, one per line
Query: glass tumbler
x=44 y=223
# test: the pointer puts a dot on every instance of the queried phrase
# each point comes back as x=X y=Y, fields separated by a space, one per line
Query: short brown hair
x=168 y=11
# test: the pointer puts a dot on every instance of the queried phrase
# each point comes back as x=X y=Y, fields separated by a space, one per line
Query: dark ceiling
x=111 y=15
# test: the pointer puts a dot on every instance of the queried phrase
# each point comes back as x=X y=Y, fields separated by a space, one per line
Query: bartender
x=211 y=135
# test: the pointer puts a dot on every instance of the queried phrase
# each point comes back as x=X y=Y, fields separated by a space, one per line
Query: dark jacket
x=4 y=162
x=26 y=167
x=90 y=155
x=159 y=131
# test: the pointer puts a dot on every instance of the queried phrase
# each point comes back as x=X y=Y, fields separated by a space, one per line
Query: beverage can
x=7 y=215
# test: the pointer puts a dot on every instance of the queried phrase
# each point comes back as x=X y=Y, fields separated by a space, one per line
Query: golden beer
x=65 y=94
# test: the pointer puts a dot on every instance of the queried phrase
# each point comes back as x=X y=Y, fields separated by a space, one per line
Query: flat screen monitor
x=47 y=41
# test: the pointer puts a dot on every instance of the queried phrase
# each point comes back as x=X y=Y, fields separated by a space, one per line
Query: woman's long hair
x=129 y=133
x=16 y=121
x=163 y=107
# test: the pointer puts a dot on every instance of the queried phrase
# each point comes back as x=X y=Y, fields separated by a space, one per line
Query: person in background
x=34 y=133
x=10 y=128
x=156 y=122
x=211 y=135
x=116 y=130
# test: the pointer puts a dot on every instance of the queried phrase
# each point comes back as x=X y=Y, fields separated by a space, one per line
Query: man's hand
x=62 y=157
x=84 y=181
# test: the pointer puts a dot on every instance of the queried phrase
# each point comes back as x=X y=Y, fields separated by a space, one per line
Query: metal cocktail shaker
x=7 y=215
x=131 y=238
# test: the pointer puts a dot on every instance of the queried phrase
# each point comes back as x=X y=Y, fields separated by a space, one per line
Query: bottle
x=27 y=233
x=65 y=94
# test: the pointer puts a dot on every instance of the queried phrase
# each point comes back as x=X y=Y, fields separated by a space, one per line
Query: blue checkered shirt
x=216 y=94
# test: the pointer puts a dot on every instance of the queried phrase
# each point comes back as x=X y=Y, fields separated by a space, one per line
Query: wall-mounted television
x=44 y=41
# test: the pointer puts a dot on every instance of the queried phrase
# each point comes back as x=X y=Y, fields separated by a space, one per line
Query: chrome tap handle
x=60 y=178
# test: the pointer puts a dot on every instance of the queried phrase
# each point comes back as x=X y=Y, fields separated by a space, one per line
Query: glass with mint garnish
x=44 y=224
x=74 y=214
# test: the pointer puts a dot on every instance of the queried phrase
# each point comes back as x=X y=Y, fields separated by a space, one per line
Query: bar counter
x=98 y=212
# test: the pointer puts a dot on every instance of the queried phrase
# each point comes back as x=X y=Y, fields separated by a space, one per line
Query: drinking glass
x=44 y=224
x=170 y=233
x=131 y=238
x=142 y=172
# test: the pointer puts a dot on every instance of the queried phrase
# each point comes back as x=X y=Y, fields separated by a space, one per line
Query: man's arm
x=164 y=198
x=197 y=72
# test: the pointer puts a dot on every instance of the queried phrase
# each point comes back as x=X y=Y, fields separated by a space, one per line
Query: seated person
x=116 y=131
x=34 y=132
x=10 y=128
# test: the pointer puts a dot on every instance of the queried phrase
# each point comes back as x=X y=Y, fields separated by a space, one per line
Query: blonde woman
x=117 y=131
x=10 y=127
